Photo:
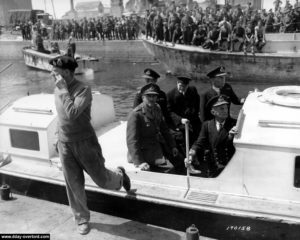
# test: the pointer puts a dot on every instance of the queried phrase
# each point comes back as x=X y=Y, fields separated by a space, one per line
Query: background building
x=6 y=5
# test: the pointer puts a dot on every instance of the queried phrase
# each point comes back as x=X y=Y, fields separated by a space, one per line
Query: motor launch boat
x=39 y=60
x=279 y=60
x=256 y=196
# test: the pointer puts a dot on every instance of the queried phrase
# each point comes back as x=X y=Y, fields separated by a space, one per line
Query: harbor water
x=120 y=79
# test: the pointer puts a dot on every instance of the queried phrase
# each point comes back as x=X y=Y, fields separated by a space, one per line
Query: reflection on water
x=120 y=80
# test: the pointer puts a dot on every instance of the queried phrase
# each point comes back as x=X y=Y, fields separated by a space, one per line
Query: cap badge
x=59 y=62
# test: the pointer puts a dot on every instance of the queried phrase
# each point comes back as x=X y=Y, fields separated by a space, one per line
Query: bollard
x=192 y=233
x=5 y=192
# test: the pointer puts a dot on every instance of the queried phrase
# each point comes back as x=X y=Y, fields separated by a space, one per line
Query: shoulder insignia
x=138 y=108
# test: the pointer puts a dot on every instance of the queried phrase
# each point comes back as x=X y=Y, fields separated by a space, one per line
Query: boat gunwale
x=195 y=49
x=187 y=204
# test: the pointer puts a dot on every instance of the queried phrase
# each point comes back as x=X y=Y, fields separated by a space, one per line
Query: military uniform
x=161 y=99
x=214 y=142
x=147 y=134
x=226 y=90
x=185 y=106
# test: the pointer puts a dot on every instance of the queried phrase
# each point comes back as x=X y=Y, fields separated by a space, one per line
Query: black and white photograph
x=150 y=119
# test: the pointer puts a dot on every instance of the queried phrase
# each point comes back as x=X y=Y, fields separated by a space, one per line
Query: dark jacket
x=142 y=137
x=206 y=96
x=185 y=106
x=217 y=142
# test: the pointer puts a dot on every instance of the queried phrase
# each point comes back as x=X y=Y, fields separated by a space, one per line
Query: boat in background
x=40 y=61
x=279 y=61
x=256 y=196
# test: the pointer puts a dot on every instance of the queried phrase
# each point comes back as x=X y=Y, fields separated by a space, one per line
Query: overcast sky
x=62 y=6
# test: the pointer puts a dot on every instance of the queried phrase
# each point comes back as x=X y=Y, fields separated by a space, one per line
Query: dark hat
x=149 y=73
x=218 y=72
x=64 y=62
x=150 y=88
x=184 y=80
x=217 y=101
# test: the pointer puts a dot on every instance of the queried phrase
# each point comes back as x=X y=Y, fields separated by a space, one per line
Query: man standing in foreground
x=79 y=149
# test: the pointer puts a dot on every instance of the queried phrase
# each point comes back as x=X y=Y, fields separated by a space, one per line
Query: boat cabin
x=28 y=126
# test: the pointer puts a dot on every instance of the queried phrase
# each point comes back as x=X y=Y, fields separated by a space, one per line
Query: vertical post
x=187 y=148
x=53 y=9
x=45 y=6
x=72 y=5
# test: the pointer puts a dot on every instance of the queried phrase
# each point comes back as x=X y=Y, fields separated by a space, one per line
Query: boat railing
x=33 y=110
x=279 y=124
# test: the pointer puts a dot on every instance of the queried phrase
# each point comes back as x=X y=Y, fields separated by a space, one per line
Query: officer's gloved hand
x=185 y=121
x=144 y=166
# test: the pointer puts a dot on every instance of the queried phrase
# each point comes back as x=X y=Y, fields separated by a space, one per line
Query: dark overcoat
x=185 y=106
x=217 y=142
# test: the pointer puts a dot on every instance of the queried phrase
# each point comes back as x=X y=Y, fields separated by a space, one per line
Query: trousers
x=77 y=157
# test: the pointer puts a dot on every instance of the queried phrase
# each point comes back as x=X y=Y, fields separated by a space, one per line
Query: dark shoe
x=83 y=228
x=126 y=180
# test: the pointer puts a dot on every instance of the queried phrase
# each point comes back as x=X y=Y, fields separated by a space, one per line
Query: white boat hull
x=40 y=61
x=253 y=198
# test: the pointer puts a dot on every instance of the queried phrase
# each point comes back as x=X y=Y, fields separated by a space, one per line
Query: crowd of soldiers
x=227 y=28
x=221 y=29
x=103 y=28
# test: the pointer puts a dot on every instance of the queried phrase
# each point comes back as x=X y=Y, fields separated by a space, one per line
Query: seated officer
x=218 y=87
x=216 y=137
x=148 y=138
x=183 y=105
x=151 y=76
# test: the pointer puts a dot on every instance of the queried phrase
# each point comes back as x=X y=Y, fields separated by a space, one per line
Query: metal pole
x=53 y=9
x=187 y=146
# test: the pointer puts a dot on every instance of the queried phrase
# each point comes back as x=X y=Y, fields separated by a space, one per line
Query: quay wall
x=109 y=51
